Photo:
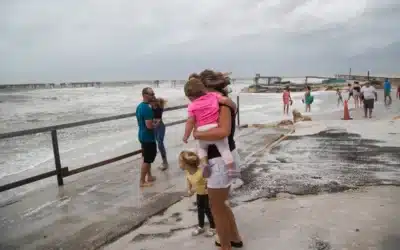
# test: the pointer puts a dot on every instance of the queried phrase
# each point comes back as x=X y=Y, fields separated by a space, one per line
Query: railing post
x=238 y=110
x=57 y=160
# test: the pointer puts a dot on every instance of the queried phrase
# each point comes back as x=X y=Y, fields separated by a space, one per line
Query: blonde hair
x=188 y=159
x=159 y=102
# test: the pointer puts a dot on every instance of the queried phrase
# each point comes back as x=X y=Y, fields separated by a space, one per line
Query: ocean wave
x=79 y=145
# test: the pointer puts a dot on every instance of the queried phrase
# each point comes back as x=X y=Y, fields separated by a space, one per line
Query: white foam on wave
x=118 y=138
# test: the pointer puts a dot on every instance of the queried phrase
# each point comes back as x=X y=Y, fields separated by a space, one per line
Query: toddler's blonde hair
x=188 y=159
x=194 y=88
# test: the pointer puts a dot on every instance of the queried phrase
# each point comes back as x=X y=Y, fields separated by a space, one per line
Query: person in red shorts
x=398 y=92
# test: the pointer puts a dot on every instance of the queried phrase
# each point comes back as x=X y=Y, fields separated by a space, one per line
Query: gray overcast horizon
x=103 y=40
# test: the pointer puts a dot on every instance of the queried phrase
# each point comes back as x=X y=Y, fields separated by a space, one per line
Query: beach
x=96 y=208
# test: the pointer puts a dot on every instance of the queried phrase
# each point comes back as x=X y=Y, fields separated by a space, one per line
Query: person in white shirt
x=370 y=96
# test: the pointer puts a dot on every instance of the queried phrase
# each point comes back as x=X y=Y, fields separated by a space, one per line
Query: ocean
x=25 y=156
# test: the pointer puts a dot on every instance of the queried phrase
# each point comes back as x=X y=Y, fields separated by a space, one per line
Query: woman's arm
x=223 y=130
x=227 y=101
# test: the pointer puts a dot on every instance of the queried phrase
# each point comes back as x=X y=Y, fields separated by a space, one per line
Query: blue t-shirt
x=387 y=86
x=143 y=113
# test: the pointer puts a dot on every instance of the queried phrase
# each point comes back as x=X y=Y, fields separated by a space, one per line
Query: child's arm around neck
x=228 y=102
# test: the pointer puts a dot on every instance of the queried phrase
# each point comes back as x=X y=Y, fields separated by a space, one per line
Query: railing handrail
x=62 y=172
x=74 y=124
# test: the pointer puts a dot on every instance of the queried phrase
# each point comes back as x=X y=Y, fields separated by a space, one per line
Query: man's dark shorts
x=369 y=104
x=149 y=151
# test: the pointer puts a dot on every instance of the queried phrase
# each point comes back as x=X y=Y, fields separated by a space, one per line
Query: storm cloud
x=77 y=40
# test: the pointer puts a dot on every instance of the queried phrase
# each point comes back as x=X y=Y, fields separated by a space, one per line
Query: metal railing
x=62 y=172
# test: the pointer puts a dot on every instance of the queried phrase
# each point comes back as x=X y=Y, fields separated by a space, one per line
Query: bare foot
x=146 y=184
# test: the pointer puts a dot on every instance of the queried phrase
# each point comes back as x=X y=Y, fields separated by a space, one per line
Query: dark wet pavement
x=332 y=160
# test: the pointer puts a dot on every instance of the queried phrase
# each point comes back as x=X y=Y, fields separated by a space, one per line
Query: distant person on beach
x=370 y=96
x=387 y=88
x=203 y=113
x=220 y=176
x=339 y=96
x=158 y=105
x=308 y=99
x=350 y=89
x=197 y=184
x=287 y=100
x=145 y=116
x=398 y=92
x=356 y=94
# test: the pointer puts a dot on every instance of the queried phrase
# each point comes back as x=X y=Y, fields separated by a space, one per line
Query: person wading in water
x=308 y=99
x=287 y=100
x=387 y=88
x=356 y=94
x=350 y=89
x=339 y=97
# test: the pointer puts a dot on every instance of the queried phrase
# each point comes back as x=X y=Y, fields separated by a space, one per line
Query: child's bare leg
x=224 y=150
x=202 y=152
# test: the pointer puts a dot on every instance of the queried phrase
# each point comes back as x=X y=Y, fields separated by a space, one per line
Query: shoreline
x=278 y=88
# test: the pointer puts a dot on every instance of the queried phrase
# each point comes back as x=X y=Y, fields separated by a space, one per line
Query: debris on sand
x=298 y=117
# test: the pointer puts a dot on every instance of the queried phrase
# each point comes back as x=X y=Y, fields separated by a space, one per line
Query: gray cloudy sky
x=50 y=40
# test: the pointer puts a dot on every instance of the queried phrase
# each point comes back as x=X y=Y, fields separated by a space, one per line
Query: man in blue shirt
x=387 y=87
x=144 y=115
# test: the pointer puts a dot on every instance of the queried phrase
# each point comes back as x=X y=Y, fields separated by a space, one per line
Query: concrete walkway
x=368 y=218
x=99 y=206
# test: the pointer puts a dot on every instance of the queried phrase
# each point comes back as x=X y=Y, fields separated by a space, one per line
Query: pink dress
x=205 y=109
x=286 y=97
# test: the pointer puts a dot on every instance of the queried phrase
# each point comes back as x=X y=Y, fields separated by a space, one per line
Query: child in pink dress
x=203 y=112
x=287 y=99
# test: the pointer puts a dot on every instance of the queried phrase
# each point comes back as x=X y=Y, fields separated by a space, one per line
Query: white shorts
x=219 y=173
x=222 y=145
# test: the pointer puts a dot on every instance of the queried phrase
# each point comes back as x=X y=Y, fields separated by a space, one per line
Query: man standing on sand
x=144 y=115
x=370 y=96
x=387 y=87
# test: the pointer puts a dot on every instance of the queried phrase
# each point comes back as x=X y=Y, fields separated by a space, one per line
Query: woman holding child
x=222 y=167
